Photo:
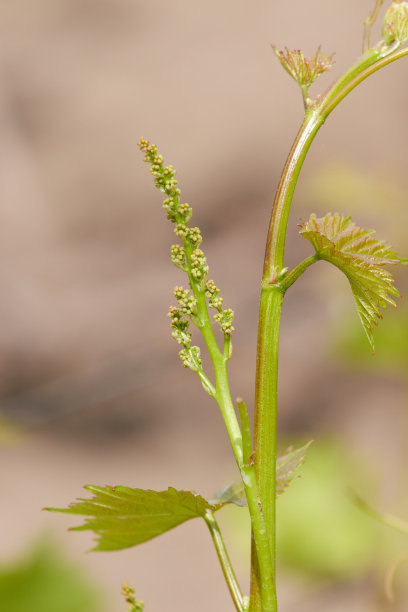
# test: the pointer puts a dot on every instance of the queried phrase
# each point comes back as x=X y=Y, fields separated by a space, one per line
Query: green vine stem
x=265 y=430
x=222 y=393
x=332 y=101
x=275 y=282
x=275 y=244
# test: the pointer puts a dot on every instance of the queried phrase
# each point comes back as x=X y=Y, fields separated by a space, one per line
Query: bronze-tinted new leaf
x=361 y=257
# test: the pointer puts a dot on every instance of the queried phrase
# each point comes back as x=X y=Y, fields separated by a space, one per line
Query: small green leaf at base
x=122 y=517
x=286 y=466
x=361 y=257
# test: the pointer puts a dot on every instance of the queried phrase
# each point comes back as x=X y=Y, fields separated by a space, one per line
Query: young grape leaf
x=361 y=258
x=286 y=466
x=122 y=517
x=231 y=494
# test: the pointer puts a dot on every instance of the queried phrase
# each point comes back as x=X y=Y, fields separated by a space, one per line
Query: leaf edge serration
x=361 y=257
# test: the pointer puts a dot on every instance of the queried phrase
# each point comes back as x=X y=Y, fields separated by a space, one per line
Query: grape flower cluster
x=188 y=257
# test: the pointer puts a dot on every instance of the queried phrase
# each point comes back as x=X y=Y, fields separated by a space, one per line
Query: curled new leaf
x=122 y=517
x=361 y=257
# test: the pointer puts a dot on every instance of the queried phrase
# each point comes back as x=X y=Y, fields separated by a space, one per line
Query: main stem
x=272 y=294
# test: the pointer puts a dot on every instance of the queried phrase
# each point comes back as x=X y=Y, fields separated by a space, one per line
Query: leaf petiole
x=297 y=271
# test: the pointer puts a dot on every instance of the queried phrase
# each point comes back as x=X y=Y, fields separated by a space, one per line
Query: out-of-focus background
x=92 y=390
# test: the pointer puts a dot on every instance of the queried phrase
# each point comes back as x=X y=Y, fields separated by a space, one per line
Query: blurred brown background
x=92 y=389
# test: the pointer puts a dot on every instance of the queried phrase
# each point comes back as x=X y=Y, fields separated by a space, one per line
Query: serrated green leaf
x=122 y=517
x=286 y=466
x=361 y=258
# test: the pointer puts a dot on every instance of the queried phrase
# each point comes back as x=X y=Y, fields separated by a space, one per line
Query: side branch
x=225 y=562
